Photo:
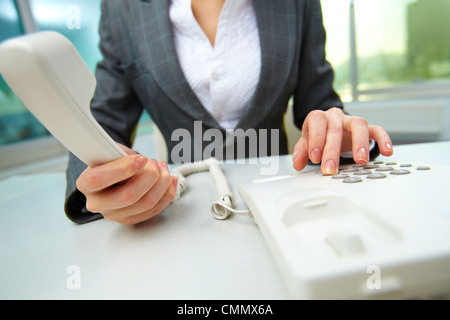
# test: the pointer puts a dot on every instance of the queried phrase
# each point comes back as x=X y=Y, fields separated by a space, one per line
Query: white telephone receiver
x=46 y=72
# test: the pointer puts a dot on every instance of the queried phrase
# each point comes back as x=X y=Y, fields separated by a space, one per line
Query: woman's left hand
x=325 y=134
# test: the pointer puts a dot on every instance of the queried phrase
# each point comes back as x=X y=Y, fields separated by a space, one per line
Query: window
x=395 y=49
x=336 y=21
x=16 y=123
x=78 y=22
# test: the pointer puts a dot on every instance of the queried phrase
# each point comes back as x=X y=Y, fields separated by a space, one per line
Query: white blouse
x=223 y=77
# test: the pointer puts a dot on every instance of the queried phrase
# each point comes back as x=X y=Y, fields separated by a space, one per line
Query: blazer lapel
x=277 y=24
x=155 y=35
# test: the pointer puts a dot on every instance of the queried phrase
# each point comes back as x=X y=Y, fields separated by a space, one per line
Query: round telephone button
x=376 y=175
x=340 y=176
x=384 y=169
x=362 y=172
x=352 y=180
x=400 y=171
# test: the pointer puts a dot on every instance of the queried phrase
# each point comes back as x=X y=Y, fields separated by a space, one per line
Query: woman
x=229 y=64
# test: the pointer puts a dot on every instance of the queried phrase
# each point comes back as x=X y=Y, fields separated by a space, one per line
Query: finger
x=128 y=193
x=383 y=140
x=108 y=174
x=360 y=138
x=153 y=196
x=332 y=149
x=317 y=135
x=311 y=142
x=160 y=206
x=132 y=218
x=300 y=153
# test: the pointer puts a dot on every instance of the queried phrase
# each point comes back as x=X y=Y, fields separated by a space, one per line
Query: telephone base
x=367 y=237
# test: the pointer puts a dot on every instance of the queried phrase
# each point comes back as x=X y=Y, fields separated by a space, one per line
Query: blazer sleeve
x=114 y=106
x=315 y=84
x=315 y=80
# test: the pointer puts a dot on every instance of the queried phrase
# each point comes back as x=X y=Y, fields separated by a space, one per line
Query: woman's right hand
x=129 y=190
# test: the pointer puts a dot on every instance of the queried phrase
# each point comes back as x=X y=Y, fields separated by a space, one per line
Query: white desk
x=184 y=253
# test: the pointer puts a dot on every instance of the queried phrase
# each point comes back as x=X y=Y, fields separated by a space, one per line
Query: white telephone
x=375 y=231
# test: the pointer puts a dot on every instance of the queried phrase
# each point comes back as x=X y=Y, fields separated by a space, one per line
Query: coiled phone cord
x=220 y=208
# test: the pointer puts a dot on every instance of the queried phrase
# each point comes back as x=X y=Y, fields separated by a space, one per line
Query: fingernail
x=362 y=155
x=140 y=162
x=330 y=167
x=163 y=165
x=389 y=147
x=316 y=155
x=153 y=162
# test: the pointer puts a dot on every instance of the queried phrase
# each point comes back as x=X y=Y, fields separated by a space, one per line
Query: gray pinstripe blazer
x=140 y=70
